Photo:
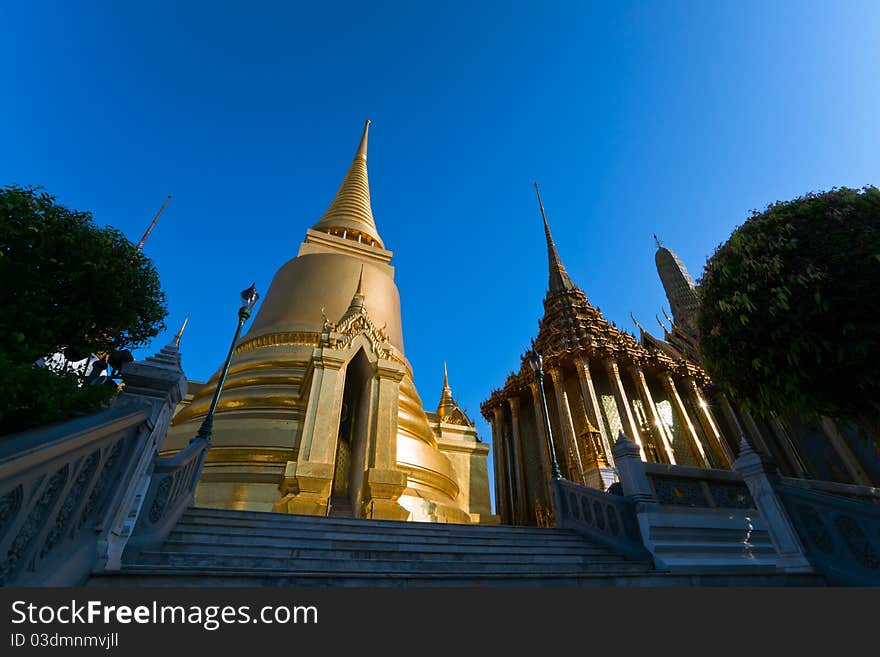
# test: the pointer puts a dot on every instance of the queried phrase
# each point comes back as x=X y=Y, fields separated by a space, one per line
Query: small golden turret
x=356 y=307
x=447 y=403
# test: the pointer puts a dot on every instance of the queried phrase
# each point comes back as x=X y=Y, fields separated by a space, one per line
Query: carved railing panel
x=606 y=518
x=56 y=486
x=170 y=493
x=676 y=485
x=841 y=536
x=868 y=494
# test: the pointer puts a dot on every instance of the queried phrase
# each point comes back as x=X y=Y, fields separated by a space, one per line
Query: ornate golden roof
x=350 y=213
x=573 y=328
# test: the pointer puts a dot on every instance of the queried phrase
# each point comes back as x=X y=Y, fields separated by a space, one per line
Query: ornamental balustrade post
x=158 y=384
x=760 y=479
x=631 y=472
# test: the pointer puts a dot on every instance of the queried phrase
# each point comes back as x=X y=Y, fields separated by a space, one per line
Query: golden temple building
x=320 y=414
x=601 y=381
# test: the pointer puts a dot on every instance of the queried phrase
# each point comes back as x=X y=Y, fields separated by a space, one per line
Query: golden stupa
x=320 y=414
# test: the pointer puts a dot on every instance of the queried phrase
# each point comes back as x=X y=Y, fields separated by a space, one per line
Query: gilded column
x=321 y=422
x=638 y=376
x=567 y=423
x=757 y=438
x=506 y=474
x=671 y=390
x=788 y=447
x=498 y=461
x=306 y=483
x=543 y=446
x=591 y=402
x=849 y=459
x=755 y=431
x=721 y=448
x=521 y=497
x=623 y=404
x=384 y=482
x=788 y=464
x=384 y=453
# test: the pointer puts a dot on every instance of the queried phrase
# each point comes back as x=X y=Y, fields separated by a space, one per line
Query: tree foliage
x=35 y=396
x=66 y=285
x=790 y=308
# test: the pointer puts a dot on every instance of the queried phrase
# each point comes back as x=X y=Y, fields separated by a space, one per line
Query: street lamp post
x=248 y=301
x=537 y=365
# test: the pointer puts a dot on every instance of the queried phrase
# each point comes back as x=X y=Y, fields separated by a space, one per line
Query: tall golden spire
x=350 y=213
x=559 y=279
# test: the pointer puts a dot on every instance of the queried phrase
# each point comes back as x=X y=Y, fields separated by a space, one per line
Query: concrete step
x=210 y=560
x=299 y=542
x=149 y=576
x=340 y=508
x=359 y=553
x=256 y=518
x=706 y=547
x=561 y=539
x=213 y=547
x=370 y=527
x=718 y=533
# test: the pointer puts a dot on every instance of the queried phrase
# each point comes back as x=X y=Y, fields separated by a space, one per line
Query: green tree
x=790 y=308
x=66 y=285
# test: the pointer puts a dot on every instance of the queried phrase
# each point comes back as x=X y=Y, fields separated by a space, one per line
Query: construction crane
x=153 y=224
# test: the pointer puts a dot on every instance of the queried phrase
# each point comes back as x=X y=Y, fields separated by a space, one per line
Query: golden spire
x=559 y=279
x=447 y=403
x=180 y=332
x=350 y=213
x=356 y=306
x=360 y=287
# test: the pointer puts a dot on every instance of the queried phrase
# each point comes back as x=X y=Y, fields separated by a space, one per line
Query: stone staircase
x=212 y=547
x=340 y=507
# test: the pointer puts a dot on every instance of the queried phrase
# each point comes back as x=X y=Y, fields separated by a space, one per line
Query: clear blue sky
x=669 y=117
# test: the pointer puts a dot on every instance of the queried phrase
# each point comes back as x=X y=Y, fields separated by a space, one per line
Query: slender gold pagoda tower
x=320 y=414
x=808 y=447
